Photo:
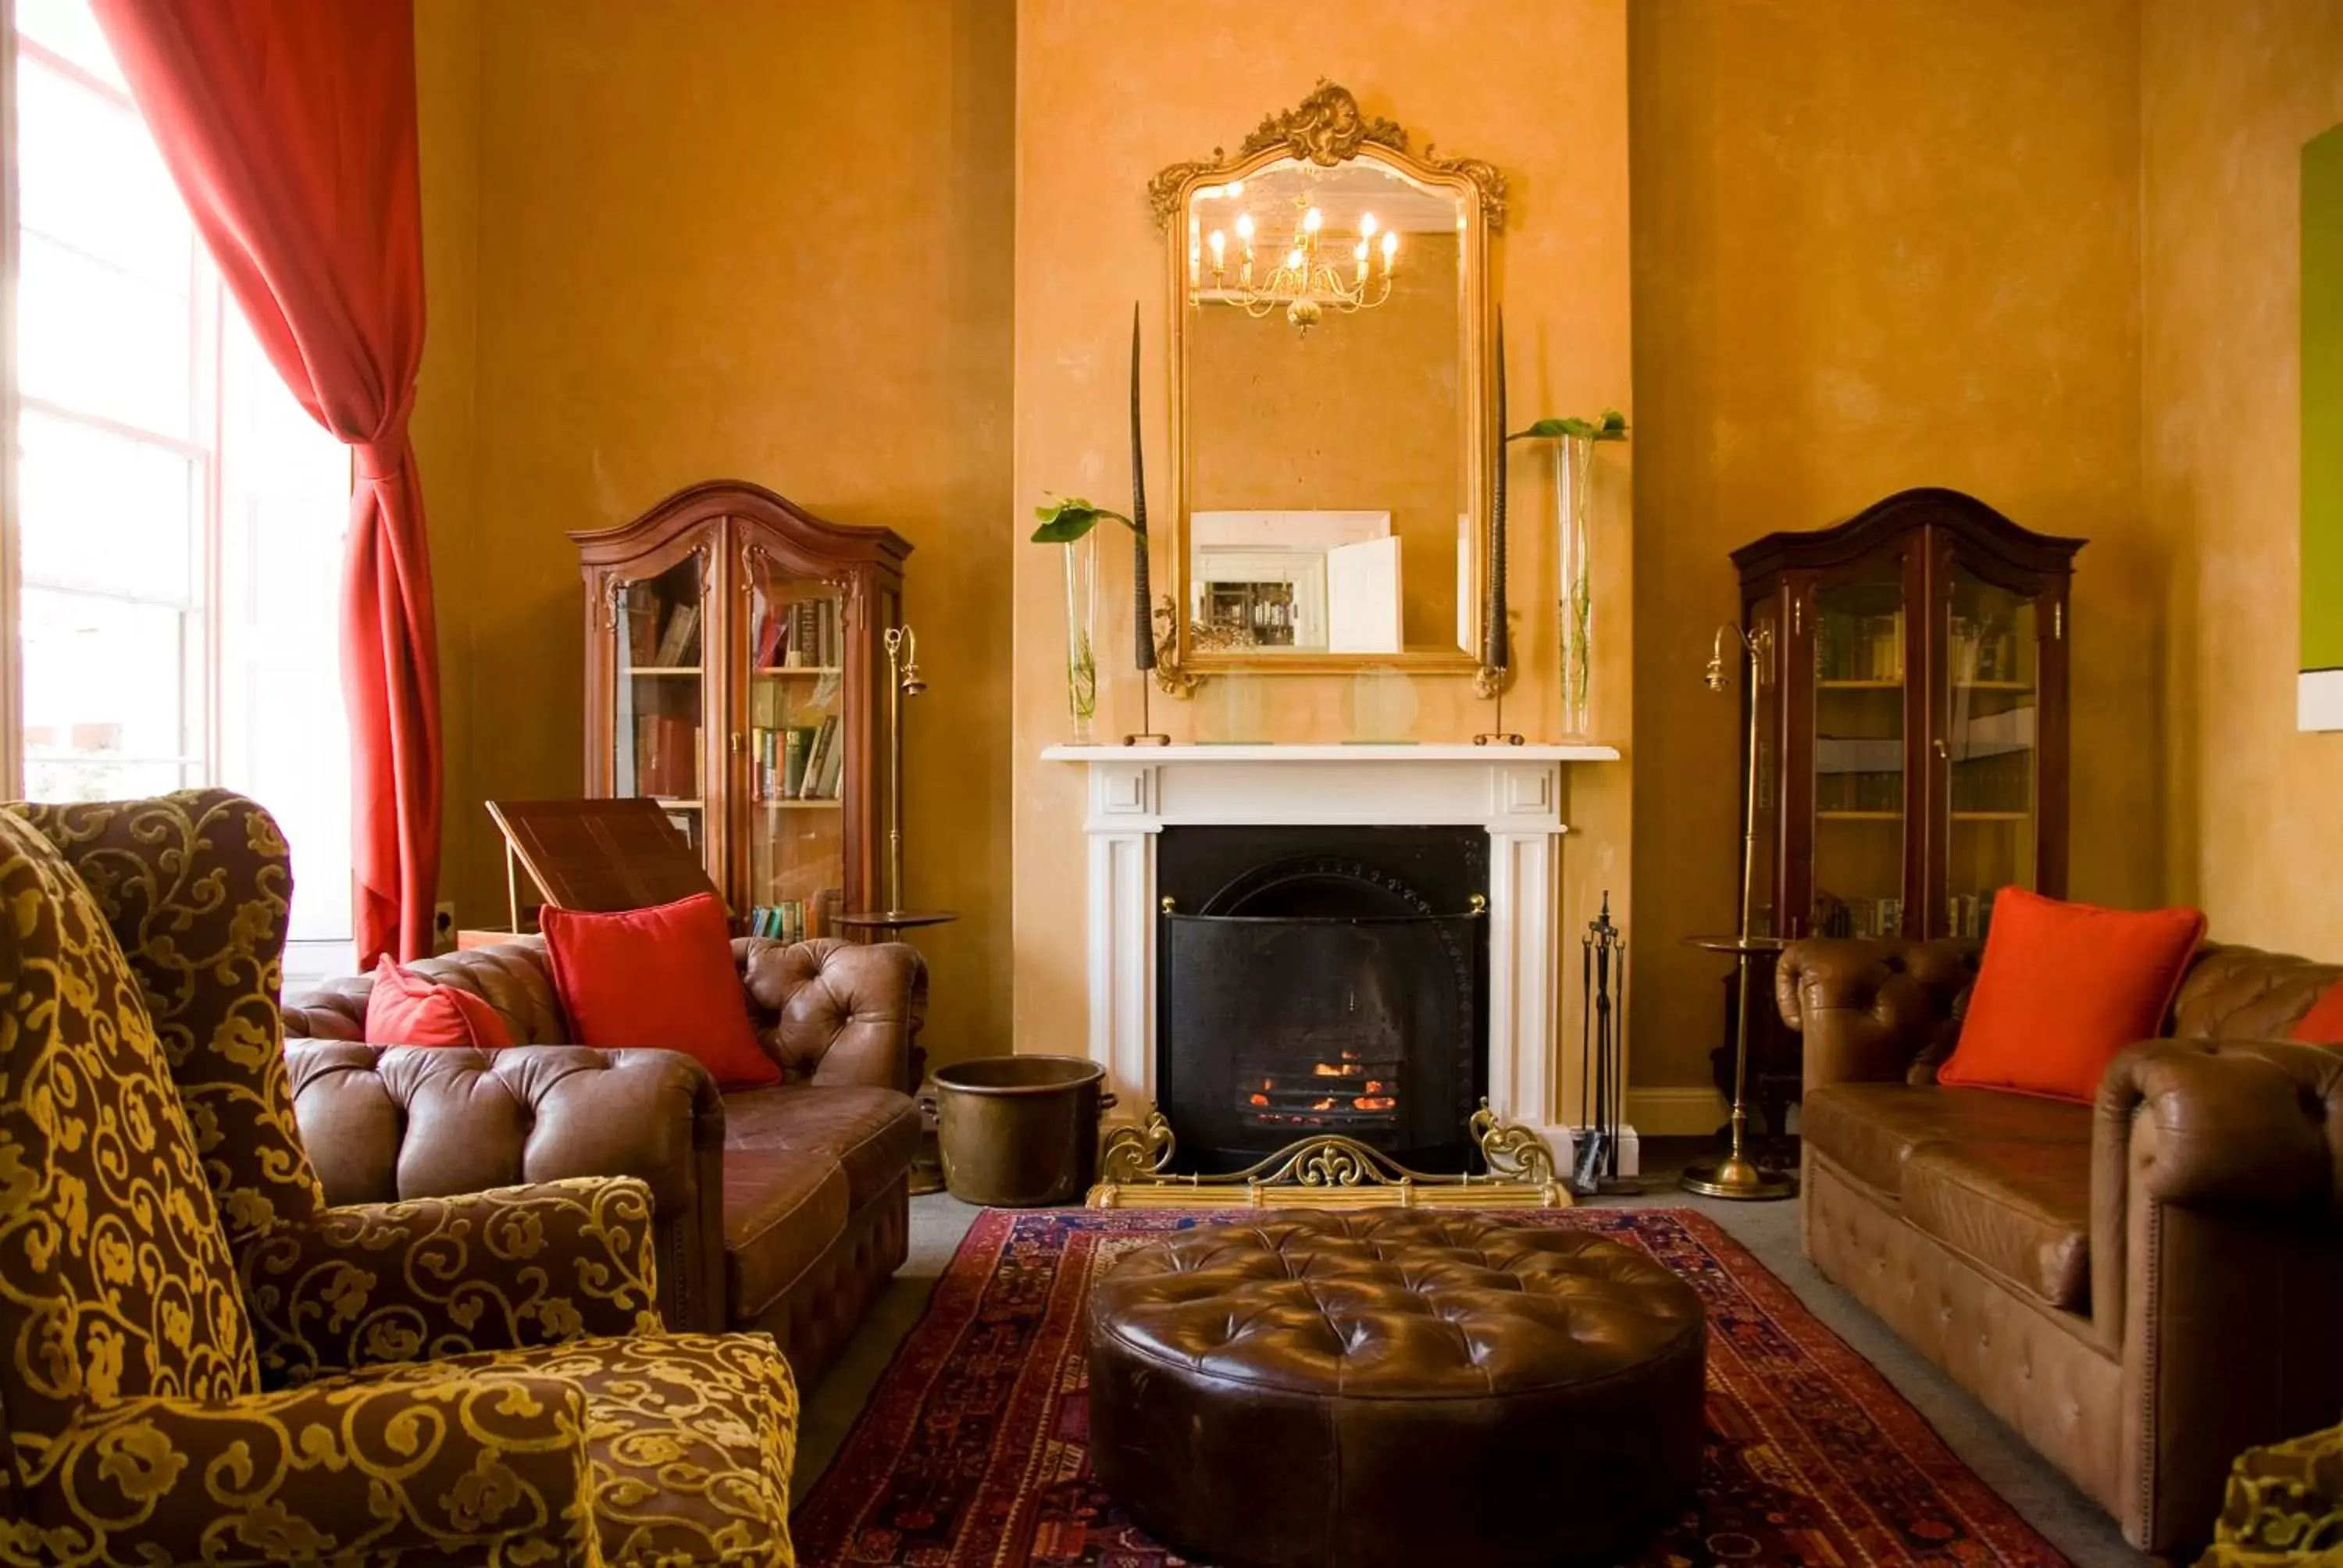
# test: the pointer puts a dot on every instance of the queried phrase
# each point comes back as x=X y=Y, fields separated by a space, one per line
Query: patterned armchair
x=201 y=1362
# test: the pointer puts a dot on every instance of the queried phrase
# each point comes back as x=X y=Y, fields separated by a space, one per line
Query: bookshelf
x=1912 y=719
x=736 y=674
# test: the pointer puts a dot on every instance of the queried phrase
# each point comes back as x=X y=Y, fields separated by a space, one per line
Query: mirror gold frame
x=1327 y=128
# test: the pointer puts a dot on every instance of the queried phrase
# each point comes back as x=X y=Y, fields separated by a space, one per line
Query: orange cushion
x=2063 y=988
x=408 y=1009
x=2323 y=1024
x=657 y=977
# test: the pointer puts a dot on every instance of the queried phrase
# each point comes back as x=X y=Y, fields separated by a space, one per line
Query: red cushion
x=408 y=1009
x=657 y=977
x=2063 y=988
x=2323 y=1024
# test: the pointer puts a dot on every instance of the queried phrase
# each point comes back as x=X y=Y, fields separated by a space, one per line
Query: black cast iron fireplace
x=1321 y=980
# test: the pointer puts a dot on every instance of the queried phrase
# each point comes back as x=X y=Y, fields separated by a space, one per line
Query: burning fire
x=1257 y=1099
x=1371 y=1103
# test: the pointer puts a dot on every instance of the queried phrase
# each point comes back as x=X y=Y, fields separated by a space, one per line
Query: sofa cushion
x=781 y=1212
x=1870 y=1130
x=2021 y=1211
x=2064 y=987
x=873 y=1133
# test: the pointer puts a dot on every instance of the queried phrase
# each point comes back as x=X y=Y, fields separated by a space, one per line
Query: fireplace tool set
x=1601 y=1087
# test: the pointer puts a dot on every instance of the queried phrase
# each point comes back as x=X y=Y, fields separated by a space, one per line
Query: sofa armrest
x=385 y=1123
x=511 y=1269
x=364 y=1469
x=335 y=1010
x=1878 y=1009
x=2237 y=1121
x=837 y=1012
x=2216 y=1261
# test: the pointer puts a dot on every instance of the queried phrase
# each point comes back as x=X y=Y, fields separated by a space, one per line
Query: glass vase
x=1574 y=463
x=1081 y=634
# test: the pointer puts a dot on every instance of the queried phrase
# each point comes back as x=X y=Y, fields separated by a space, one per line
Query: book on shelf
x=833 y=764
x=769 y=632
x=681 y=643
x=666 y=754
x=643 y=611
x=797 y=919
x=1868 y=648
x=794 y=742
x=820 y=762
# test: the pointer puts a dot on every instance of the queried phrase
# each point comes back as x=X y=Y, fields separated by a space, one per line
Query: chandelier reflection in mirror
x=1326 y=263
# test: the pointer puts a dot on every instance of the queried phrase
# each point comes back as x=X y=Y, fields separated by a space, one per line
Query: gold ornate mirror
x=1331 y=450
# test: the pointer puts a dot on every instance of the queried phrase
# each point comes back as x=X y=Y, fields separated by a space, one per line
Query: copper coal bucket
x=1020 y=1131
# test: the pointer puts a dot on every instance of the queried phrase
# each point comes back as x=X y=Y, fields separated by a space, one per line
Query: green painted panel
x=2322 y=401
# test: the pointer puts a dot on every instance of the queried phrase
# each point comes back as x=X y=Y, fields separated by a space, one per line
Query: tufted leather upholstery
x=1384 y=1387
x=782 y=1209
x=2143 y=1288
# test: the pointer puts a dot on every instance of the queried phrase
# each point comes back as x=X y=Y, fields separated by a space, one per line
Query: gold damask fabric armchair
x=201 y=1361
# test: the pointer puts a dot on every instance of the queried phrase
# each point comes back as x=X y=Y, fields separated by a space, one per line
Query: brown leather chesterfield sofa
x=784 y=1210
x=2143 y=1288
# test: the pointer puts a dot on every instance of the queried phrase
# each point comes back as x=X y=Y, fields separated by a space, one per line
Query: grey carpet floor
x=1770 y=1231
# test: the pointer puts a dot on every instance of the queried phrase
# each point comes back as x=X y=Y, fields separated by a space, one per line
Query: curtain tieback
x=379 y=461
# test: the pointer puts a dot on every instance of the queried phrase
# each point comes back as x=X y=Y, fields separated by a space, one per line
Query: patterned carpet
x=971 y=1448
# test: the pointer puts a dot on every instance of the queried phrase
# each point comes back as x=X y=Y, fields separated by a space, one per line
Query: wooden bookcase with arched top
x=736 y=671
x=1911 y=717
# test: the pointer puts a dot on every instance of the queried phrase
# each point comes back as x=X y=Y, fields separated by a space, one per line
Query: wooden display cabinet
x=736 y=672
x=1911 y=729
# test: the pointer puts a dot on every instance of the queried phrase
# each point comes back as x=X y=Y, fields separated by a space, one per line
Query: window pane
x=100 y=341
x=91 y=179
x=102 y=511
x=50 y=778
x=68 y=27
x=285 y=493
x=107 y=681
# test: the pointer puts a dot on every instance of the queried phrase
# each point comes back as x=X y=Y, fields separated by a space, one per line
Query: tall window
x=181 y=517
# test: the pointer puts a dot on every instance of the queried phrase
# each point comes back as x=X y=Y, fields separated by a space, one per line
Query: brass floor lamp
x=1737 y=1175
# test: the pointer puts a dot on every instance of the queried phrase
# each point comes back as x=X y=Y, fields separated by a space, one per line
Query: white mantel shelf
x=1188 y=751
x=1514 y=793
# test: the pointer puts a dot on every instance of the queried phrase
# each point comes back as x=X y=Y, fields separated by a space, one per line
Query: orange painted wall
x=447 y=100
x=2228 y=96
x=728 y=239
x=1108 y=94
x=1876 y=246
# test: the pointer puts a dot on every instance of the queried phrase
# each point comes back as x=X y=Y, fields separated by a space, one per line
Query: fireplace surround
x=1511 y=795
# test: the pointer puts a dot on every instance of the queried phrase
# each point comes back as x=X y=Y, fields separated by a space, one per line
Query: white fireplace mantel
x=1514 y=792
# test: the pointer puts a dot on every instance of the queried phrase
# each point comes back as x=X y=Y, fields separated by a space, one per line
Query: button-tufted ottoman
x=1395 y=1386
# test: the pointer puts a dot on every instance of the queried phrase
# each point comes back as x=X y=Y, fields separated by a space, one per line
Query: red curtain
x=289 y=126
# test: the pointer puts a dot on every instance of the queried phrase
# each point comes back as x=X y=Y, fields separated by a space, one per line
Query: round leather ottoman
x=1395 y=1386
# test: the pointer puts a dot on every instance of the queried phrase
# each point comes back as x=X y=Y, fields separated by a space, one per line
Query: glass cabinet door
x=1763 y=621
x=657 y=738
x=1859 y=794
x=795 y=749
x=1990 y=750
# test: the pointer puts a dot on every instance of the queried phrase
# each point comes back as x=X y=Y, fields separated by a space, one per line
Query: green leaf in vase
x=1063 y=522
x=1610 y=427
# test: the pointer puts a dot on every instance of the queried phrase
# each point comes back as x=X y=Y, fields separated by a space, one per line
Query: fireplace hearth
x=1321 y=980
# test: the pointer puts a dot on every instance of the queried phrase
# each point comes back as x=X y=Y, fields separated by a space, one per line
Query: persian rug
x=972 y=1449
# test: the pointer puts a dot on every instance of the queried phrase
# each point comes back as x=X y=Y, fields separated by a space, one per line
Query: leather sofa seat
x=2022 y=1211
x=873 y=1133
x=1872 y=1129
x=800 y=1160
x=780 y=1213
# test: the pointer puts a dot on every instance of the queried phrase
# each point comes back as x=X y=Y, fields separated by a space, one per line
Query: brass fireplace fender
x=1329 y=1172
